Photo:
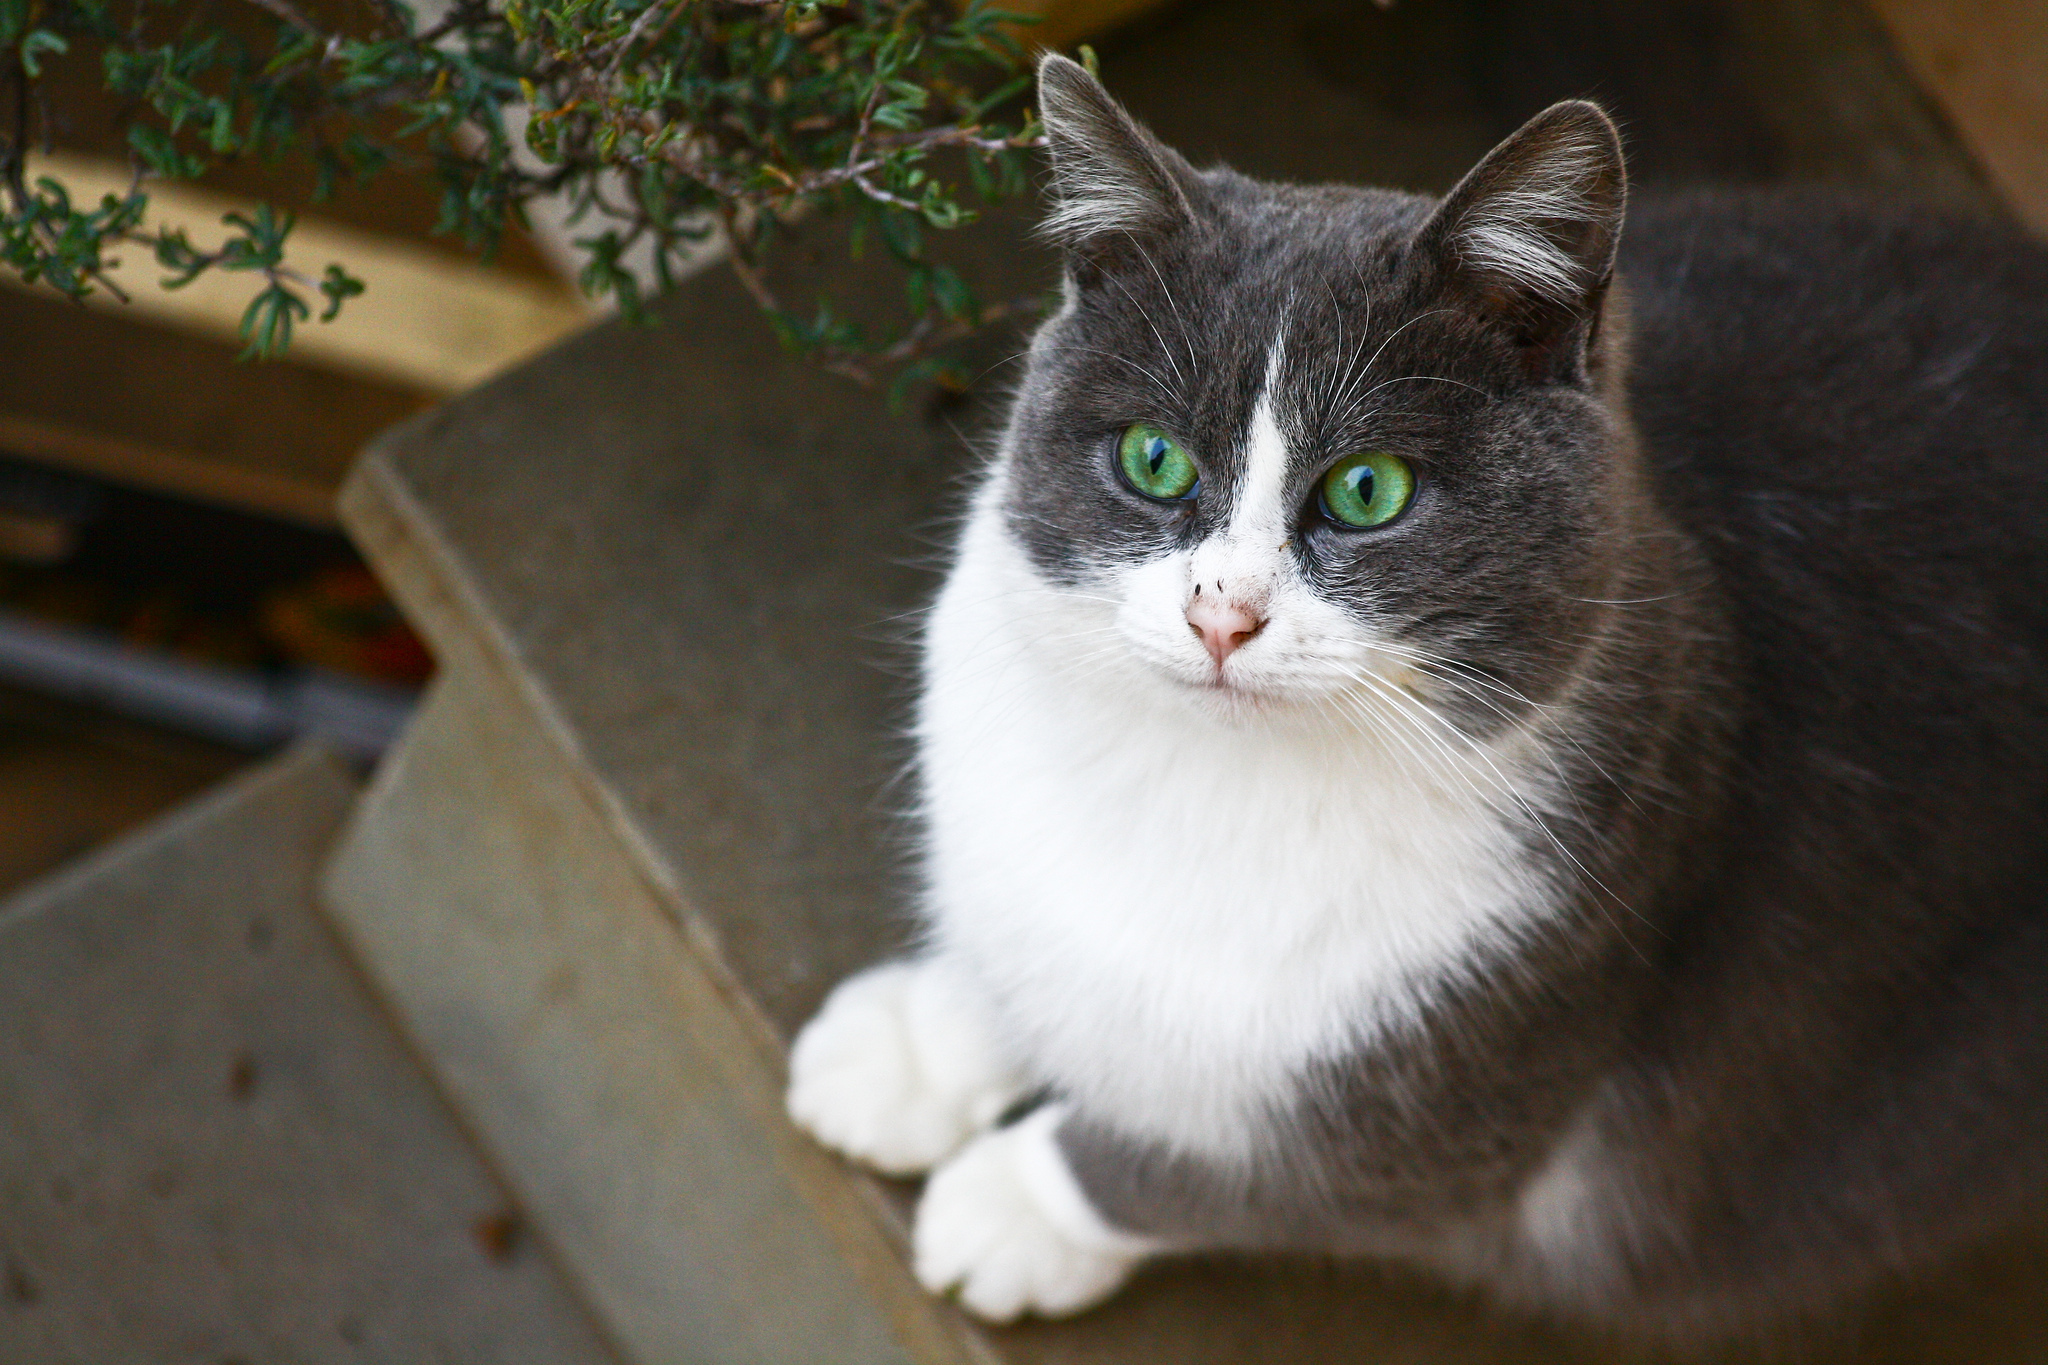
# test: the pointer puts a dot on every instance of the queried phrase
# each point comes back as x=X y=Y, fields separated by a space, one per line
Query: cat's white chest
x=1175 y=916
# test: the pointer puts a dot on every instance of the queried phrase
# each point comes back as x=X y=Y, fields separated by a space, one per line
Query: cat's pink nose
x=1223 y=625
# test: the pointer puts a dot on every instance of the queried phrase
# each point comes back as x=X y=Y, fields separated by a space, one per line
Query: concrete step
x=639 y=826
x=216 y=1147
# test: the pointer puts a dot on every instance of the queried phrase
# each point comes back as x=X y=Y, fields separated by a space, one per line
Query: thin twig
x=880 y=195
x=668 y=9
x=686 y=152
x=866 y=124
x=287 y=11
x=14 y=175
x=463 y=14
x=736 y=256
x=14 y=165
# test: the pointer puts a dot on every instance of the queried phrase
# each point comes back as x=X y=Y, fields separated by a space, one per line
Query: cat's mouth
x=1242 y=688
x=1222 y=684
x=1228 y=687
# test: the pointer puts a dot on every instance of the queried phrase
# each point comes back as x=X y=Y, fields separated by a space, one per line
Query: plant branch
x=735 y=111
x=285 y=10
x=14 y=165
x=666 y=10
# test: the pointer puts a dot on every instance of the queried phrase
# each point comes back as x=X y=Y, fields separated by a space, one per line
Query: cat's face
x=1289 y=447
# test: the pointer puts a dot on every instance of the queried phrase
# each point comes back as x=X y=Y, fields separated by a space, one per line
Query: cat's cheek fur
x=1150 y=616
x=1006 y=1225
x=900 y=1068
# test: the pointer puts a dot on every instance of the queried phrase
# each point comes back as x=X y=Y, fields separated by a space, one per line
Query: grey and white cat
x=1434 y=746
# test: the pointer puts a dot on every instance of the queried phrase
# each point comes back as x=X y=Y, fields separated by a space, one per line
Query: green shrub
x=659 y=120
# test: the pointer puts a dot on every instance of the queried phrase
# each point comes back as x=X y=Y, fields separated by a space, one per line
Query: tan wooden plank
x=171 y=412
x=72 y=777
x=84 y=118
x=1986 y=63
x=167 y=471
x=425 y=320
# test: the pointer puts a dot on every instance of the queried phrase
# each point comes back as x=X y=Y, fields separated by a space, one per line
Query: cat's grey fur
x=1752 y=500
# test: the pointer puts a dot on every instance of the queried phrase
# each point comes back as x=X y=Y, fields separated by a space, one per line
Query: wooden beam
x=428 y=321
x=105 y=393
x=1985 y=62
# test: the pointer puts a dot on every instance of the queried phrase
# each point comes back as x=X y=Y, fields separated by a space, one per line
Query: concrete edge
x=422 y=570
x=308 y=760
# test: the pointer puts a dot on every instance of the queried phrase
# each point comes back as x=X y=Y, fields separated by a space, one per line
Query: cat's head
x=1289 y=443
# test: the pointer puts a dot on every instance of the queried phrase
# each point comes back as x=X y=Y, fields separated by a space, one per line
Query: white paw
x=898 y=1069
x=1006 y=1224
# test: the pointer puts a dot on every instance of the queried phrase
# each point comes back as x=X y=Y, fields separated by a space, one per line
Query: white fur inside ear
x=899 y=1068
x=1503 y=231
x=1097 y=197
x=1006 y=1224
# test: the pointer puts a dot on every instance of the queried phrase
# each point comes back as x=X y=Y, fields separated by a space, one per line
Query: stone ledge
x=217 y=1147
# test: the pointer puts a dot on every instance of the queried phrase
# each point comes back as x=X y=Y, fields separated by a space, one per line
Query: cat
x=1449 y=736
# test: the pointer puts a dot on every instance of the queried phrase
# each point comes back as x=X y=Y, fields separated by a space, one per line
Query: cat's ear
x=1528 y=237
x=1114 y=185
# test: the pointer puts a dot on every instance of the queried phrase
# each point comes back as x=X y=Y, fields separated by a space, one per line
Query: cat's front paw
x=898 y=1069
x=1006 y=1225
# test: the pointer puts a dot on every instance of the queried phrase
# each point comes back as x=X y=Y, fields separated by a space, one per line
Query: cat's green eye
x=1368 y=489
x=1154 y=463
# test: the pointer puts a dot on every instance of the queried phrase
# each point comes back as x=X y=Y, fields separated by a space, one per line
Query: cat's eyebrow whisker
x=1009 y=359
x=1164 y=349
x=1330 y=373
x=1422 y=378
x=1187 y=338
x=1350 y=373
x=1166 y=392
x=1336 y=375
x=1359 y=378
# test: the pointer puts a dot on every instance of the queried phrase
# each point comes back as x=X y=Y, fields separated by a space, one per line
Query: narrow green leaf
x=33 y=46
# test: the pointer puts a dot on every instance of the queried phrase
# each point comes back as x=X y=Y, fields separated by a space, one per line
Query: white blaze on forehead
x=1261 y=515
x=1262 y=506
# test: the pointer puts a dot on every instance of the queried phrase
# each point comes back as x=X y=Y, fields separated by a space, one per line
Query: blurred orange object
x=342 y=619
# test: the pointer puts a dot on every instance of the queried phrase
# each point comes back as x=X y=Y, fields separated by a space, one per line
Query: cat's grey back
x=1846 y=404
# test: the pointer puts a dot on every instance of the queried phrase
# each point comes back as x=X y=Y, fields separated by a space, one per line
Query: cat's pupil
x=1359 y=480
x=1155 y=453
